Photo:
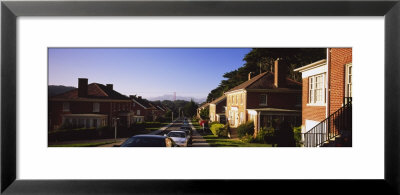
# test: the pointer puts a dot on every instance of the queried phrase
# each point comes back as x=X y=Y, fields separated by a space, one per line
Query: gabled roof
x=311 y=66
x=265 y=80
x=142 y=102
x=204 y=105
x=218 y=100
x=95 y=91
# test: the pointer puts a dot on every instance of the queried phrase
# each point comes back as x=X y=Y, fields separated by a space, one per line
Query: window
x=263 y=99
x=65 y=106
x=96 y=107
x=316 y=89
x=349 y=79
x=138 y=112
x=95 y=123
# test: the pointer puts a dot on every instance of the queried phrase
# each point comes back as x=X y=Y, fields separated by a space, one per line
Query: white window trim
x=323 y=103
x=347 y=79
x=266 y=100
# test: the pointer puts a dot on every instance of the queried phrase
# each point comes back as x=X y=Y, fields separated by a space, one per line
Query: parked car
x=179 y=137
x=149 y=141
x=189 y=134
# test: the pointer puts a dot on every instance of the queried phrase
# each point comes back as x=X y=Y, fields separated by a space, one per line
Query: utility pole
x=115 y=132
x=172 y=116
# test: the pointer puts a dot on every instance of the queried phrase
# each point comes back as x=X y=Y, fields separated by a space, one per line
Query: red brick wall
x=339 y=57
x=274 y=100
x=76 y=107
x=315 y=113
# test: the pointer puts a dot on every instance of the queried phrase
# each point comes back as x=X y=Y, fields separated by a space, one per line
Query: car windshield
x=176 y=134
x=144 y=142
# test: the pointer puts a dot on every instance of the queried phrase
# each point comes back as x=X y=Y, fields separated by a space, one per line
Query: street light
x=115 y=132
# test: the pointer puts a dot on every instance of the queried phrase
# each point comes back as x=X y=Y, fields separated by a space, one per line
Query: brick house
x=140 y=107
x=267 y=99
x=89 y=106
x=327 y=94
x=148 y=110
x=217 y=110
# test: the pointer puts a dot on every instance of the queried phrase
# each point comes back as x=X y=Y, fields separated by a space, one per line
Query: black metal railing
x=338 y=123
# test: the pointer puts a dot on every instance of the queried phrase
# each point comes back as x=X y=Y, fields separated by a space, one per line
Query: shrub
x=297 y=135
x=246 y=129
x=260 y=138
x=219 y=129
x=247 y=139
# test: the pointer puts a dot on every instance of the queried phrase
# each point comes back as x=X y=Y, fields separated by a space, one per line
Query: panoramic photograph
x=199 y=97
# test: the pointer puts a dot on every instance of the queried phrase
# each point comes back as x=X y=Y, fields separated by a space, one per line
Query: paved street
x=198 y=140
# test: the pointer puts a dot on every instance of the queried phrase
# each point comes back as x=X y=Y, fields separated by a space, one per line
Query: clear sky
x=149 y=72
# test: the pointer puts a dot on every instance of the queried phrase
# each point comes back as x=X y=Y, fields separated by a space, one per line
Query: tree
x=190 y=109
x=261 y=60
x=204 y=113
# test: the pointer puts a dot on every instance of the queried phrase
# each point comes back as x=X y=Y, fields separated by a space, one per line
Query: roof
x=143 y=102
x=218 y=100
x=204 y=105
x=158 y=106
x=95 y=91
x=311 y=66
x=265 y=80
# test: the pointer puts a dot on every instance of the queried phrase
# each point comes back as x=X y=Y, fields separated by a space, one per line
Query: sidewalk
x=198 y=140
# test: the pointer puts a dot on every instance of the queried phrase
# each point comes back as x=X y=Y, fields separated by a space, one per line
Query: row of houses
x=270 y=98
x=96 y=105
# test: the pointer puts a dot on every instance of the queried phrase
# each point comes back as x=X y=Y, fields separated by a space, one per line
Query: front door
x=236 y=115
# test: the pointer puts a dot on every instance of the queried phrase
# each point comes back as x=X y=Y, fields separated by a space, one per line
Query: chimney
x=82 y=87
x=109 y=86
x=140 y=97
x=250 y=75
x=280 y=74
x=132 y=96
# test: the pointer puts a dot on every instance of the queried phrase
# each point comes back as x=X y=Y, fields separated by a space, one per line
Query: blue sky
x=149 y=72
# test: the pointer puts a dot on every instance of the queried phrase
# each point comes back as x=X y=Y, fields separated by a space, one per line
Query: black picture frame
x=11 y=10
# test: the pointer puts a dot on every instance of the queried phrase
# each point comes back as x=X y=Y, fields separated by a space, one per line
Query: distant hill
x=58 y=89
x=170 y=97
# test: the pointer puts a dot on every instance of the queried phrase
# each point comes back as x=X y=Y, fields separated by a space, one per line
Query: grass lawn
x=214 y=141
x=82 y=144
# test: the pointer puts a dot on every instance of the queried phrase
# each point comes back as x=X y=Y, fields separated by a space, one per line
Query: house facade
x=266 y=99
x=139 y=108
x=217 y=110
x=327 y=94
x=90 y=106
